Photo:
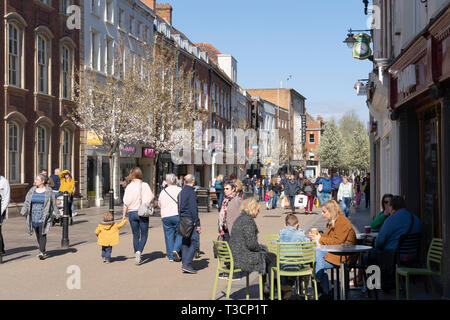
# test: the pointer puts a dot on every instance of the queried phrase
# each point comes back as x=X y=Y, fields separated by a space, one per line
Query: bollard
x=111 y=202
x=1 y=235
x=65 y=218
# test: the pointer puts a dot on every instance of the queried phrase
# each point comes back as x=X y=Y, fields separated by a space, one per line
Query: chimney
x=150 y=3
x=164 y=10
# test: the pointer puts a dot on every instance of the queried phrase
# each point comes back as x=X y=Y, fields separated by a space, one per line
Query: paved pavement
x=26 y=277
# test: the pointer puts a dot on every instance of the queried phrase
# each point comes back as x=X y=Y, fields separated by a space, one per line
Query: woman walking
x=136 y=194
x=345 y=194
x=218 y=185
x=309 y=190
x=276 y=188
x=40 y=208
x=357 y=190
x=168 y=202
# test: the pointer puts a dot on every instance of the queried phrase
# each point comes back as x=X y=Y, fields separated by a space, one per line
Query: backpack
x=326 y=186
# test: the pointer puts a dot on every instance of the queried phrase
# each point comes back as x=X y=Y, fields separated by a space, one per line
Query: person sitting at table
x=290 y=233
x=248 y=254
x=376 y=224
x=339 y=231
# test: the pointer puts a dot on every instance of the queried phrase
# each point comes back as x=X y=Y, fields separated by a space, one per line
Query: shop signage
x=128 y=150
x=303 y=128
x=148 y=152
x=93 y=139
x=361 y=48
x=407 y=79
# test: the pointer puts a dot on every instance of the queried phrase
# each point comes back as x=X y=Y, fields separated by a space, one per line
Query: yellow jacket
x=66 y=184
x=108 y=233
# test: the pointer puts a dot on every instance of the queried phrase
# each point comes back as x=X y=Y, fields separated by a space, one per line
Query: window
x=66 y=72
x=67 y=149
x=131 y=26
x=205 y=93
x=64 y=5
x=140 y=30
x=94 y=6
x=311 y=138
x=121 y=18
x=42 y=148
x=109 y=55
x=14 y=148
x=43 y=65
x=15 y=55
x=94 y=50
x=109 y=11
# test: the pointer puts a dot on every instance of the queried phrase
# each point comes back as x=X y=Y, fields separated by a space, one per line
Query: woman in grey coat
x=248 y=254
x=40 y=208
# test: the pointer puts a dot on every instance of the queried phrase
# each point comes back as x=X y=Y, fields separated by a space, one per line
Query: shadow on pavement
x=119 y=258
x=146 y=258
x=21 y=249
x=77 y=243
x=240 y=294
x=265 y=216
x=200 y=264
x=79 y=222
x=16 y=258
x=60 y=252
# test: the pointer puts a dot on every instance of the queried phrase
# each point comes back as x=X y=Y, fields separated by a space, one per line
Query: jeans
x=106 y=252
x=2 y=248
x=323 y=197
x=173 y=239
x=41 y=238
x=346 y=206
x=291 y=200
x=321 y=274
x=274 y=200
x=367 y=199
x=219 y=195
x=189 y=246
x=139 y=227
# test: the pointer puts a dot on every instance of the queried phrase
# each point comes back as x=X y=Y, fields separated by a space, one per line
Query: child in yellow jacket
x=108 y=235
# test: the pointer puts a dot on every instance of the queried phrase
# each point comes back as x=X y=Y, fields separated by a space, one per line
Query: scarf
x=223 y=213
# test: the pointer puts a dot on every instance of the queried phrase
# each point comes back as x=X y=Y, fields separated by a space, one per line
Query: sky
x=272 y=40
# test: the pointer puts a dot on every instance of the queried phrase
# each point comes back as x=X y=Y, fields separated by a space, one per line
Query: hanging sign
x=361 y=48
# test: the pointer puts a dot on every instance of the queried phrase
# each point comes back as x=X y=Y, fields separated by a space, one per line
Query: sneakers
x=42 y=256
x=170 y=260
x=104 y=259
x=137 y=257
x=74 y=214
x=197 y=254
x=187 y=269
x=176 y=256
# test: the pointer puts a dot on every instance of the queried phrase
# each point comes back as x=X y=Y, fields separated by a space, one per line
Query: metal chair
x=225 y=264
x=271 y=240
x=294 y=255
x=434 y=255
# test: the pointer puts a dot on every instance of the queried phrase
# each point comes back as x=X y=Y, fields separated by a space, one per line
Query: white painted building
x=104 y=22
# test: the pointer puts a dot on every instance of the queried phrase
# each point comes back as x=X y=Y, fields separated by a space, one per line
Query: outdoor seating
x=434 y=255
x=408 y=249
x=294 y=255
x=225 y=264
x=271 y=244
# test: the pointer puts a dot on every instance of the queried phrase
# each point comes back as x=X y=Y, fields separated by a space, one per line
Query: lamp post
x=1 y=236
x=65 y=230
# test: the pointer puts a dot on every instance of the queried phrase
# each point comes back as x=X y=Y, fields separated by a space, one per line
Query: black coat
x=248 y=255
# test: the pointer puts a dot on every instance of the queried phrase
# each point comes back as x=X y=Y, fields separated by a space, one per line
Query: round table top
x=340 y=248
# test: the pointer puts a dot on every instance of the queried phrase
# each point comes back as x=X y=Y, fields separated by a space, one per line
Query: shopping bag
x=352 y=208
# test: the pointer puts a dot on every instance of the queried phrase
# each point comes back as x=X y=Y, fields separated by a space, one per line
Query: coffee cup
x=314 y=231
x=367 y=229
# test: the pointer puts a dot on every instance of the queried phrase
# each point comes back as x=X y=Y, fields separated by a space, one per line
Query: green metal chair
x=294 y=254
x=434 y=255
x=271 y=240
x=225 y=264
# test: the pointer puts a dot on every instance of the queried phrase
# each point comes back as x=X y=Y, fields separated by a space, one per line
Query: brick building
x=314 y=130
x=40 y=57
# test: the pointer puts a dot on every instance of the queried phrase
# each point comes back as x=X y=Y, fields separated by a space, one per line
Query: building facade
x=40 y=56
x=314 y=130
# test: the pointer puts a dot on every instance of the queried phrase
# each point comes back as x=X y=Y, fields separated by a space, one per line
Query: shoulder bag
x=186 y=224
x=146 y=209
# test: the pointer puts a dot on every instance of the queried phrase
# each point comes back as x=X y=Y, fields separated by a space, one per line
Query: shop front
x=419 y=100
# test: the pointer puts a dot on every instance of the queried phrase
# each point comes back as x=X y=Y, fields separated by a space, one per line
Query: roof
x=210 y=49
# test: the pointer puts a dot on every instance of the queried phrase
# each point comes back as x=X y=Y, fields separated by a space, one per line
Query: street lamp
x=350 y=40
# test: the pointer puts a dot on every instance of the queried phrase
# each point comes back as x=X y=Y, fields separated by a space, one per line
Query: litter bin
x=203 y=199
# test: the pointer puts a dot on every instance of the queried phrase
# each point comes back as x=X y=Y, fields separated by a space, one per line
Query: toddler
x=108 y=235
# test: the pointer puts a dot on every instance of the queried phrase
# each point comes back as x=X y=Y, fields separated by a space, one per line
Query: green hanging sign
x=361 y=48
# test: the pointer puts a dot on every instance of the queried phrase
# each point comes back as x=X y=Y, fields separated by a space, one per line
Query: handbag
x=146 y=209
x=352 y=207
x=185 y=224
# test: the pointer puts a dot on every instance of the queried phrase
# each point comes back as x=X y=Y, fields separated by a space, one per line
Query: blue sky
x=274 y=39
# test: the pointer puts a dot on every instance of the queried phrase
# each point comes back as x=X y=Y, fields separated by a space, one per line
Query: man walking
x=291 y=188
x=188 y=208
x=56 y=180
x=5 y=194
x=367 y=190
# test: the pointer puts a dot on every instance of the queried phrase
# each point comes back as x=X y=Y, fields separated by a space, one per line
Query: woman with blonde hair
x=239 y=188
x=136 y=194
x=339 y=231
x=248 y=254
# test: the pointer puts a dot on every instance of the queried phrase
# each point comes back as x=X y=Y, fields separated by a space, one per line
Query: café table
x=343 y=251
x=360 y=236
